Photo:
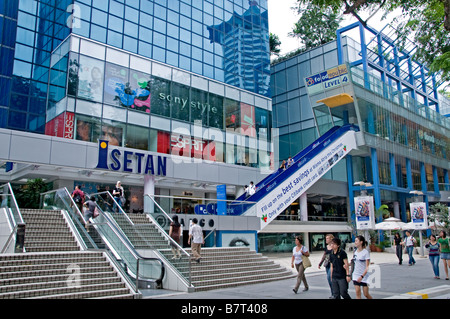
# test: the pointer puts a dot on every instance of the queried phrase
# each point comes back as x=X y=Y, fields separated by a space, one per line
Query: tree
x=315 y=26
x=439 y=215
x=275 y=43
x=28 y=196
x=427 y=22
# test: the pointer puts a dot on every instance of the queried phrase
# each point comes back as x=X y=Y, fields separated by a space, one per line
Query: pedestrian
x=409 y=243
x=90 y=205
x=175 y=234
x=283 y=165
x=445 y=251
x=196 y=239
x=361 y=263
x=251 y=189
x=290 y=162
x=78 y=197
x=398 y=247
x=340 y=276
x=118 y=194
x=325 y=261
x=433 y=254
x=297 y=261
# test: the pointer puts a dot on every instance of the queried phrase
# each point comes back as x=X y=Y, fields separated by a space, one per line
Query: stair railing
x=14 y=219
x=119 y=246
x=111 y=208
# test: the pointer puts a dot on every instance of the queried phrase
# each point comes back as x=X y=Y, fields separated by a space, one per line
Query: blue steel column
x=446 y=180
x=393 y=170
x=351 y=196
x=376 y=179
x=423 y=181
x=435 y=180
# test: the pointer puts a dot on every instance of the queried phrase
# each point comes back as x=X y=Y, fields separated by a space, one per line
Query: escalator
x=103 y=233
x=280 y=189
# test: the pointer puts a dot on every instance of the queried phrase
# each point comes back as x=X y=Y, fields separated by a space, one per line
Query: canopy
x=390 y=223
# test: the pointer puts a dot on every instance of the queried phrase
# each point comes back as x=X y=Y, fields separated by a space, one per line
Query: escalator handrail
x=297 y=157
x=118 y=233
x=287 y=172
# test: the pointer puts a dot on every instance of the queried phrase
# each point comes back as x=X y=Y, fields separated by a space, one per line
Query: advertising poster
x=364 y=212
x=90 y=79
x=419 y=215
x=248 y=120
x=282 y=194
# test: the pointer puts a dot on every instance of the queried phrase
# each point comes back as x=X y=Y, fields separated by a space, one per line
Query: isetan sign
x=130 y=162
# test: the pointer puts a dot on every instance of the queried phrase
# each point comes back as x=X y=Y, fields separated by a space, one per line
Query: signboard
x=221 y=196
x=285 y=193
x=364 y=212
x=419 y=215
x=329 y=79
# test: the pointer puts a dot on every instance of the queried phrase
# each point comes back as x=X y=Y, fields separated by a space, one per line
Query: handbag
x=306 y=262
x=96 y=213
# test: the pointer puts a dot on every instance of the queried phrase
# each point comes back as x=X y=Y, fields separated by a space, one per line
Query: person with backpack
x=78 y=197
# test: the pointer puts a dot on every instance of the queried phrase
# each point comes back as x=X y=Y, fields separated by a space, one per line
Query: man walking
x=196 y=239
x=339 y=270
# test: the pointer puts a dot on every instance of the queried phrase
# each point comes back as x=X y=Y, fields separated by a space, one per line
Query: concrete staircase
x=231 y=267
x=64 y=275
x=54 y=267
x=46 y=230
x=219 y=267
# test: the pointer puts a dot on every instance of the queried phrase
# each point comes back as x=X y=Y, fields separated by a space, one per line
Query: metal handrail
x=171 y=240
x=118 y=234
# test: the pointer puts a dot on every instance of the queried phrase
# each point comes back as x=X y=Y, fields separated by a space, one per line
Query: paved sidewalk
x=395 y=281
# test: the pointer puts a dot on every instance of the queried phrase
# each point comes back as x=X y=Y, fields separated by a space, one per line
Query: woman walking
x=398 y=247
x=175 y=234
x=445 y=251
x=361 y=258
x=409 y=243
x=326 y=260
x=297 y=253
x=433 y=255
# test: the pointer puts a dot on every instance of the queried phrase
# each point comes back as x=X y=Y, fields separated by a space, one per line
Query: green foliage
x=439 y=215
x=427 y=23
x=28 y=196
x=315 y=26
x=275 y=43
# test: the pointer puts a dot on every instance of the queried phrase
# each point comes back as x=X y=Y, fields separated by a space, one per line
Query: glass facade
x=406 y=138
x=219 y=39
x=98 y=92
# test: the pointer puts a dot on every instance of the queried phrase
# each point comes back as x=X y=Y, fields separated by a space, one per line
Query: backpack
x=77 y=198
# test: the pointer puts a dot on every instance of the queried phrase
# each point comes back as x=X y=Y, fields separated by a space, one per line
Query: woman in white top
x=297 y=261
x=361 y=262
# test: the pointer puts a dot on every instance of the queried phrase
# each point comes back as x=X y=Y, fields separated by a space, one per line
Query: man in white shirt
x=196 y=239
x=251 y=189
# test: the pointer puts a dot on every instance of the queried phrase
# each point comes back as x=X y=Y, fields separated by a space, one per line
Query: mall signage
x=364 y=212
x=419 y=215
x=329 y=79
x=131 y=162
x=285 y=193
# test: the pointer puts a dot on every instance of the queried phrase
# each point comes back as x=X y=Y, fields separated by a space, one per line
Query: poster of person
x=113 y=134
x=419 y=215
x=364 y=212
x=87 y=130
x=90 y=79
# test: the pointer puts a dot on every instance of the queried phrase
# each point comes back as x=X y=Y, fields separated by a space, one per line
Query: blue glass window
x=115 y=24
x=98 y=33
x=100 y=18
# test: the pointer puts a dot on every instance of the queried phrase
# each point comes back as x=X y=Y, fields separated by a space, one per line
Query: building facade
x=396 y=106
x=180 y=89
